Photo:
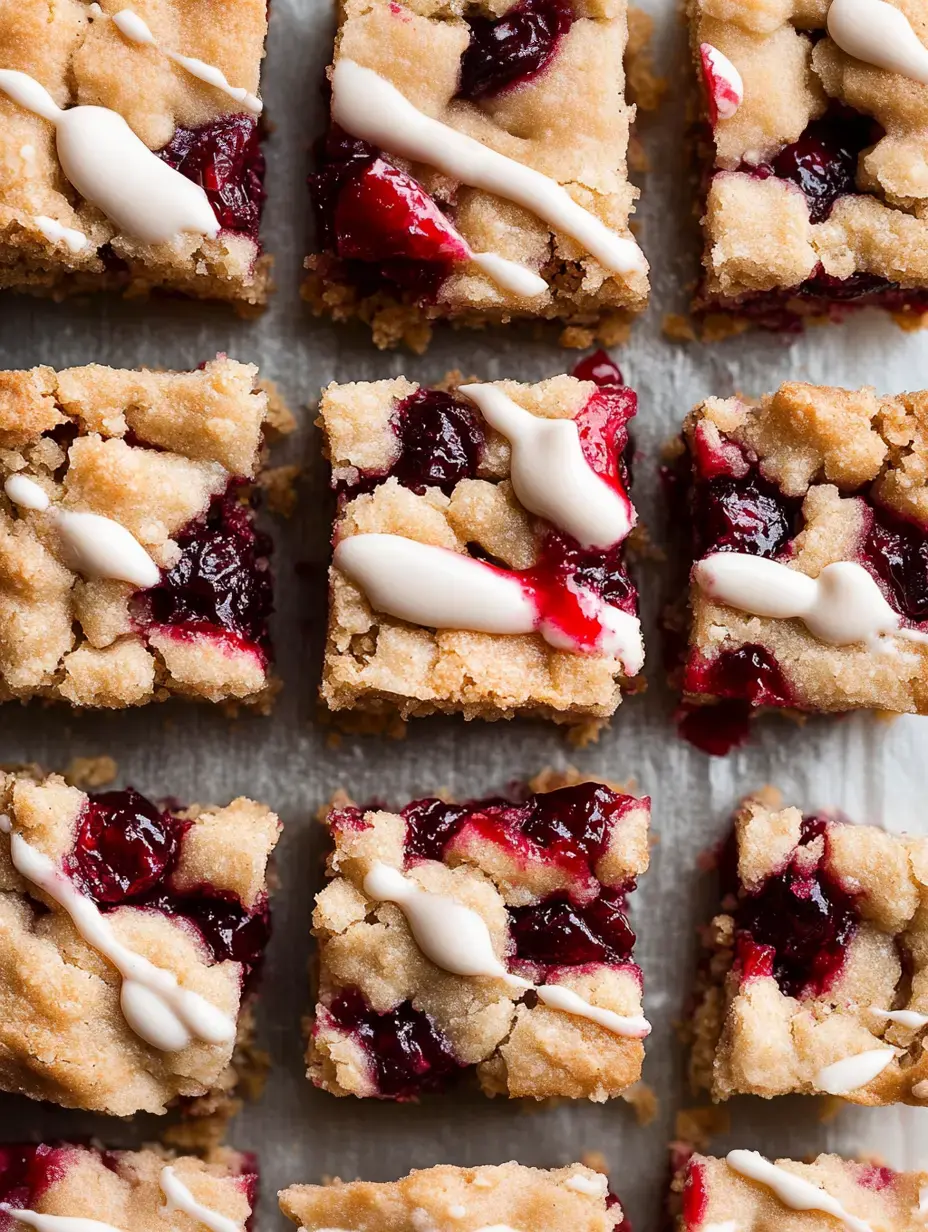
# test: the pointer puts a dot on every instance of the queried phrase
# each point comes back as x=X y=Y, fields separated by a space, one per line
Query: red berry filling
x=742 y=515
x=511 y=50
x=26 y=1172
x=378 y=223
x=222 y=580
x=695 y=1197
x=750 y=673
x=897 y=552
x=125 y=853
x=441 y=440
x=802 y=918
x=408 y=1053
x=559 y=933
x=224 y=157
x=598 y=367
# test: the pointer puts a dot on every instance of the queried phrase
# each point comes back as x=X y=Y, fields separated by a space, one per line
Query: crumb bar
x=479 y=549
x=754 y=1194
x=130 y=567
x=815 y=979
x=65 y=1185
x=131 y=149
x=572 y=1199
x=475 y=169
x=813 y=145
x=808 y=511
x=492 y=935
x=130 y=935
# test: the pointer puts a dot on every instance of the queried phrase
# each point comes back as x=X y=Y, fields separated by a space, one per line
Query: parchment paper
x=873 y=770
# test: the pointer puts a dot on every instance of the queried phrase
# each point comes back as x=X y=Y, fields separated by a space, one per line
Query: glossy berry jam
x=695 y=1197
x=224 y=157
x=231 y=933
x=124 y=846
x=440 y=439
x=715 y=729
x=576 y=820
x=222 y=580
x=805 y=916
x=742 y=515
x=749 y=673
x=409 y=1055
x=27 y=1171
x=509 y=51
x=557 y=932
x=598 y=367
x=430 y=825
x=823 y=161
x=898 y=552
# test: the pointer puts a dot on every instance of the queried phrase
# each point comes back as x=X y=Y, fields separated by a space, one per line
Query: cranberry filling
x=598 y=367
x=749 y=673
x=409 y=1055
x=716 y=729
x=440 y=440
x=805 y=916
x=695 y=1197
x=511 y=50
x=559 y=933
x=124 y=846
x=224 y=157
x=430 y=825
x=898 y=552
x=125 y=852
x=823 y=161
x=222 y=579
x=27 y=1171
x=742 y=515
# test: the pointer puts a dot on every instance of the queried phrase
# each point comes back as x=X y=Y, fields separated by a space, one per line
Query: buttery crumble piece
x=70 y=1185
x=476 y=570
x=815 y=976
x=814 y=153
x=809 y=519
x=754 y=1194
x=572 y=1199
x=534 y=985
x=160 y=186
x=475 y=168
x=130 y=936
x=130 y=566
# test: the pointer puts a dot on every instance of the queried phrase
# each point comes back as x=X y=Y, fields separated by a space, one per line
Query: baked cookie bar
x=130 y=567
x=130 y=148
x=66 y=1186
x=572 y=1199
x=816 y=974
x=130 y=933
x=814 y=144
x=479 y=549
x=475 y=169
x=491 y=934
x=754 y=1194
x=809 y=589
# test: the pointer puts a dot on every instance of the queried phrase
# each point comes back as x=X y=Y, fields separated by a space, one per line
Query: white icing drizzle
x=443 y=589
x=922 y=1211
x=725 y=81
x=595 y=1187
x=457 y=1211
x=179 y=1198
x=905 y=1018
x=132 y=27
x=94 y=545
x=153 y=1003
x=920 y=1089
x=56 y=1223
x=841 y=606
x=852 y=1073
x=792 y=1190
x=457 y=939
x=115 y=170
x=369 y=107
x=550 y=474
x=57 y=233
x=509 y=275
x=878 y=34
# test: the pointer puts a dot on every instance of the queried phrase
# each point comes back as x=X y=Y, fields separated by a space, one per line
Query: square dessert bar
x=479 y=549
x=816 y=975
x=809 y=514
x=129 y=937
x=814 y=149
x=754 y=1194
x=491 y=934
x=572 y=1199
x=130 y=567
x=77 y=1187
x=130 y=148
x=475 y=169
